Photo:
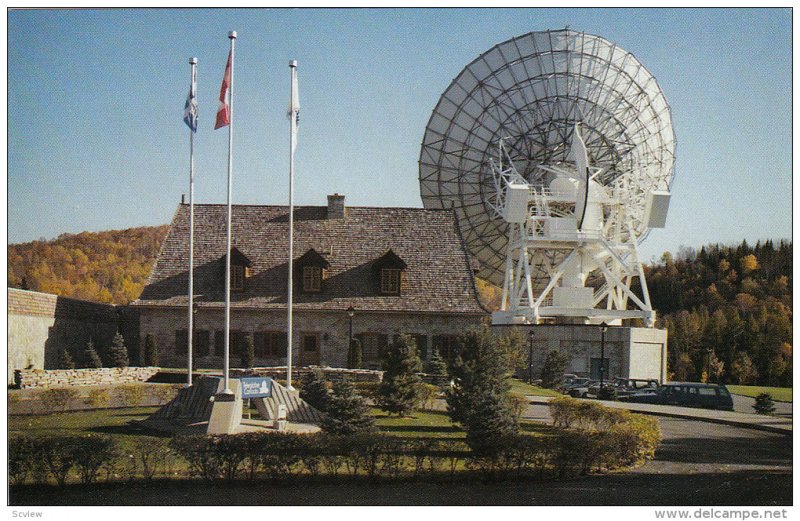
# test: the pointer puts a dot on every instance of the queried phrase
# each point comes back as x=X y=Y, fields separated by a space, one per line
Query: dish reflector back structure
x=510 y=120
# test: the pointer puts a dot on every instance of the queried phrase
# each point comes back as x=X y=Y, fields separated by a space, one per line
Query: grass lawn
x=522 y=388
x=781 y=394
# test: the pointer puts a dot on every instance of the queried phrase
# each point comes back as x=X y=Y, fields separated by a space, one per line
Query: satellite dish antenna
x=508 y=147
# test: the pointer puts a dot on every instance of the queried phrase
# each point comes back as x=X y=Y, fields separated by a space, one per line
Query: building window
x=270 y=344
x=312 y=279
x=373 y=346
x=390 y=281
x=219 y=343
x=181 y=342
x=445 y=345
x=237 y=278
x=201 y=343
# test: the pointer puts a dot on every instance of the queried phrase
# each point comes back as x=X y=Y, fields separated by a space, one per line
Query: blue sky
x=95 y=101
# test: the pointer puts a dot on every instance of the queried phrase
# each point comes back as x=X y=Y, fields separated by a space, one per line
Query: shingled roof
x=438 y=277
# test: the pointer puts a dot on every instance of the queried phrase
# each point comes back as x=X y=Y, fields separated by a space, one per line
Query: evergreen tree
x=248 y=357
x=479 y=397
x=65 y=360
x=553 y=369
x=92 y=359
x=355 y=355
x=150 y=351
x=347 y=412
x=436 y=365
x=118 y=353
x=764 y=404
x=314 y=389
x=399 y=392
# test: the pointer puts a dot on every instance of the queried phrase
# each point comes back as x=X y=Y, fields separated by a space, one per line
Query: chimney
x=335 y=206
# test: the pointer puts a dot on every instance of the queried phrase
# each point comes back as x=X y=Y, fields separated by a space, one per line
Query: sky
x=96 y=139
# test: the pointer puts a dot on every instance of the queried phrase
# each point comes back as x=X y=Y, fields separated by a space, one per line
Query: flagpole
x=292 y=126
x=193 y=62
x=226 y=369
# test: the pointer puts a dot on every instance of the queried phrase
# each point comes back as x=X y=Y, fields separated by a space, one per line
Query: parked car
x=687 y=394
x=582 y=391
x=623 y=386
x=577 y=382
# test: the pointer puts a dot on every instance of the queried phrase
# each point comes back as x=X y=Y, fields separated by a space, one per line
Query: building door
x=309 y=354
x=595 y=369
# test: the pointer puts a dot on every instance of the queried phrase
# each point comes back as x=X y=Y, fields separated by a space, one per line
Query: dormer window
x=312 y=279
x=389 y=273
x=237 y=278
x=390 y=281
x=312 y=269
x=240 y=269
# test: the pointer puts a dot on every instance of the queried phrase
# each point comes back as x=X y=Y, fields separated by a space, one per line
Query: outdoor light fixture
x=603 y=329
x=530 y=356
x=351 y=311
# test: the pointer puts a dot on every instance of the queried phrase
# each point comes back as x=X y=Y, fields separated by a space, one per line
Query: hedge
x=588 y=438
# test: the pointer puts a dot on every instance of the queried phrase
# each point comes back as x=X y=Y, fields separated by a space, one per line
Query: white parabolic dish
x=531 y=91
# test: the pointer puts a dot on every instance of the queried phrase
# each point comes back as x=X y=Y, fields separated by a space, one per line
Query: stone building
x=402 y=270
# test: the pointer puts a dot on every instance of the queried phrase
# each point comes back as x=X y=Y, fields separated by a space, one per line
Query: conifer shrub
x=91 y=358
x=401 y=387
x=151 y=354
x=118 y=353
x=65 y=360
x=553 y=369
x=436 y=365
x=347 y=412
x=355 y=355
x=764 y=404
x=314 y=389
x=248 y=357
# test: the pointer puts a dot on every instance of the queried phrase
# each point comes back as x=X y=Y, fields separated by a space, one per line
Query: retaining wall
x=40 y=378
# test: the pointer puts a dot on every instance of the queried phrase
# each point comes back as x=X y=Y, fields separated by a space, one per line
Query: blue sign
x=256 y=387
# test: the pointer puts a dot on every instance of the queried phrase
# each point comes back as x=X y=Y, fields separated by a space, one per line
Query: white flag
x=294 y=109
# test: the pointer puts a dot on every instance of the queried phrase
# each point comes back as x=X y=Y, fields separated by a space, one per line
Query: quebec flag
x=190 y=109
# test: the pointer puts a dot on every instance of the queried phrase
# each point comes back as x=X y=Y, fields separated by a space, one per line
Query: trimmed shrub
x=355 y=355
x=151 y=355
x=21 y=459
x=97 y=398
x=91 y=358
x=65 y=360
x=314 y=389
x=764 y=404
x=90 y=453
x=399 y=392
x=131 y=395
x=118 y=353
x=248 y=353
x=347 y=412
x=152 y=457
x=60 y=397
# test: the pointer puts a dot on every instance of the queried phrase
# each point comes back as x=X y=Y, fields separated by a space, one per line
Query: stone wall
x=333 y=374
x=41 y=324
x=331 y=328
x=40 y=378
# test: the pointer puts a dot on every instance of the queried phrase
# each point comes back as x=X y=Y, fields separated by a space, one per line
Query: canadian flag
x=223 y=112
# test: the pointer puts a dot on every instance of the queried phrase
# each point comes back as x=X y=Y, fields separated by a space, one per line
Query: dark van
x=689 y=394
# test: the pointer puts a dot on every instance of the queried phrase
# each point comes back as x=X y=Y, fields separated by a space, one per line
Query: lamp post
x=708 y=364
x=350 y=312
x=530 y=355
x=603 y=329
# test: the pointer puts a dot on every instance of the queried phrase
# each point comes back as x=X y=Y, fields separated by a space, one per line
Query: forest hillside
x=110 y=266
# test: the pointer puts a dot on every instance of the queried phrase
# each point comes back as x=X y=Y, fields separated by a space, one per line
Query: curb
x=543 y=400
